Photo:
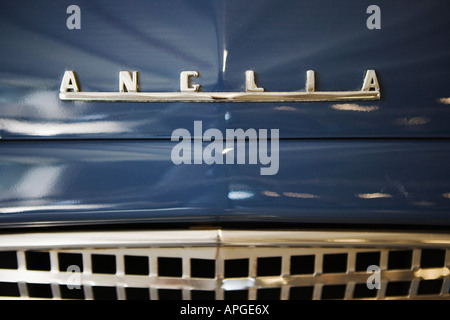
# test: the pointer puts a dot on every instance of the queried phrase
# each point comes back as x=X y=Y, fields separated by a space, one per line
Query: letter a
x=69 y=82
x=374 y=21
x=374 y=281
x=370 y=81
x=74 y=21
x=181 y=153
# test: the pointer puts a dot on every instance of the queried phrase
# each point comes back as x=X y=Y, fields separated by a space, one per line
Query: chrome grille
x=218 y=264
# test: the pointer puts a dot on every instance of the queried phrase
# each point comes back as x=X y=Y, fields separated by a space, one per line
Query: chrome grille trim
x=221 y=246
x=214 y=237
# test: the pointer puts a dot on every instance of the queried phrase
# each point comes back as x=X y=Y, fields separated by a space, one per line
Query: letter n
x=128 y=83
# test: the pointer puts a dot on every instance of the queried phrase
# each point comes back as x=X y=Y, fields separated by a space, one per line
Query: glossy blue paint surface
x=374 y=163
x=221 y=40
x=376 y=182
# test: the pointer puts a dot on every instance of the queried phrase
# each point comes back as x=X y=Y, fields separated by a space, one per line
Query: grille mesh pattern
x=224 y=272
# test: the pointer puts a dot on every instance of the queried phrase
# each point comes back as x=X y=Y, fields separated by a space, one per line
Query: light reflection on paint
x=424 y=203
x=376 y=195
x=226 y=150
x=270 y=193
x=301 y=195
x=354 y=107
x=225 y=56
x=285 y=108
x=413 y=121
x=240 y=195
x=48 y=129
x=39 y=182
x=444 y=100
x=52 y=207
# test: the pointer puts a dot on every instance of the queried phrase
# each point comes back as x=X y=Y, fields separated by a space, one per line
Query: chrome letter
x=69 y=82
x=310 y=81
x=184 y=81
x=250 y=85
x=128 y=83
x=370 y=81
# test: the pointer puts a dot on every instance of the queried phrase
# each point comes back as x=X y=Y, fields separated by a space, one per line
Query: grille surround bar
x=215 y=237
x=224 y=245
